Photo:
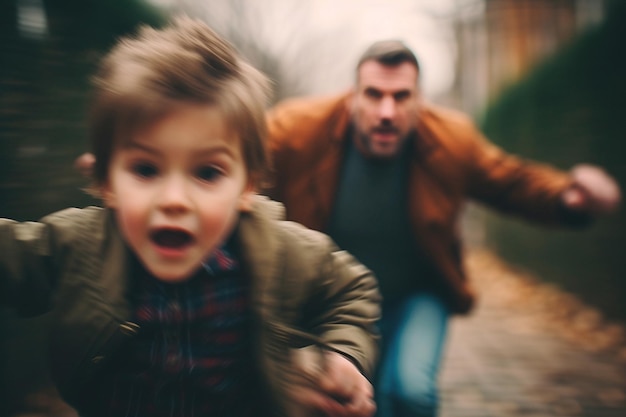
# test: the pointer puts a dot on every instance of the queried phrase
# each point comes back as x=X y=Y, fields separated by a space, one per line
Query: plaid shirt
x=192 y=355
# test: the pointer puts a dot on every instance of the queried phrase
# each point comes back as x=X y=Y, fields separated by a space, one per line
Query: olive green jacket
x=304 y=290
x=451 y=162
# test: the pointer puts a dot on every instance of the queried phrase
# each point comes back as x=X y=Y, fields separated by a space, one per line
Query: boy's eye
x=144 y=170
x=209 y=173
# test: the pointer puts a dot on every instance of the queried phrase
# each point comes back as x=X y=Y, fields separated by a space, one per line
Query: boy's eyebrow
x=140 y=146
x=216 y=150
x=201 y=152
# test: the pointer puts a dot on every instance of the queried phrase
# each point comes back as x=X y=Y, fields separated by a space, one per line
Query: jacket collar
x=116 y=274
x=260 y=250
x=340 y=122
x=425 y=140
x=261 y=247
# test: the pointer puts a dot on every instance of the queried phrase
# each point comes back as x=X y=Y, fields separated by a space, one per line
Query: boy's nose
x=173 y=196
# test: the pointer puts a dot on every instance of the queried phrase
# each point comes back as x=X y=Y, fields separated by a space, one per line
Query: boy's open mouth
x=171 y=238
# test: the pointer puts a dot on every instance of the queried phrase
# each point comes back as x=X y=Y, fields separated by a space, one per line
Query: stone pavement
x=530 y=350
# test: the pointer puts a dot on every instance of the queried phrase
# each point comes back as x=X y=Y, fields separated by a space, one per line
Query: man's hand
x=328 y=384
x=593 y=191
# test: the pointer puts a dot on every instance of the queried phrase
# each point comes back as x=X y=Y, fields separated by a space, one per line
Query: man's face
x=384 y=107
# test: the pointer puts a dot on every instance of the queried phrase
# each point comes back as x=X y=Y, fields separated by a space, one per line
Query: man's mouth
x=386 y=130
x=171 y=238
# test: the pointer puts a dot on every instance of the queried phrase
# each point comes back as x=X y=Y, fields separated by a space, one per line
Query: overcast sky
x=417 y=24
x=327 y=36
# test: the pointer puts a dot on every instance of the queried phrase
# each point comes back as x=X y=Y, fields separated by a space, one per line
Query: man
x=386 y=175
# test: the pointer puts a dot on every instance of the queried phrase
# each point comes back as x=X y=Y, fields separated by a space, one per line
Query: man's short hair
x=389 y=52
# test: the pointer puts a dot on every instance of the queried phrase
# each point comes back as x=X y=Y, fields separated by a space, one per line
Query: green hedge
x=44 y=90
x=571 y=109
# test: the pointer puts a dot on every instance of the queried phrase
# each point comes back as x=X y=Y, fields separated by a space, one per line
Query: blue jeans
x=413 y=335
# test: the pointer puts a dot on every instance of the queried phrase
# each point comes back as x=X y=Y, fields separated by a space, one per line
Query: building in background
x=499 y=46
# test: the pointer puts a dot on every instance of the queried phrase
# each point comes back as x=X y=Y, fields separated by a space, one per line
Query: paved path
x=530 y=350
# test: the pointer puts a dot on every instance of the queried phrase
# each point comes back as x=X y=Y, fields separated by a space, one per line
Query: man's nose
x=387 y=108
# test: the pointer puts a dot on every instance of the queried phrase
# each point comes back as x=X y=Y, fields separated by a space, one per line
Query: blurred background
x=543 y=78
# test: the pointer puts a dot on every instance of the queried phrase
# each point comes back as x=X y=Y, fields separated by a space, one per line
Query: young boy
x=186 y=295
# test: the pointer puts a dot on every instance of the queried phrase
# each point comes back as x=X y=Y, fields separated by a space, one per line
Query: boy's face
x=177 y=190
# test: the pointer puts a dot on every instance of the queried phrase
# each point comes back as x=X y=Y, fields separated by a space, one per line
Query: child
x=186 y=295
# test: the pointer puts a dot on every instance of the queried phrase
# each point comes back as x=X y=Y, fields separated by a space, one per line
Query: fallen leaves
x=500 y=285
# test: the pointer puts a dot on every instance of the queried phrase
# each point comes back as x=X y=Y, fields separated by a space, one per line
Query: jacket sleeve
x=506 y=182
x=349 y=323
x=26 y=268
x=510 y=184
x=338 y=297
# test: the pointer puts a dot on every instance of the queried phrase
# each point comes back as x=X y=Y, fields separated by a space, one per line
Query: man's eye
x=145 y=170
x=209 y=173
x=402 y=95
x=373 y=94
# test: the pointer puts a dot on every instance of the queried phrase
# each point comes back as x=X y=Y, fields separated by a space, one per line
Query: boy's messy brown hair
x=145 y=77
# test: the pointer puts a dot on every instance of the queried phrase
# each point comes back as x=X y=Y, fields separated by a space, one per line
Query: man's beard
x=369 y=146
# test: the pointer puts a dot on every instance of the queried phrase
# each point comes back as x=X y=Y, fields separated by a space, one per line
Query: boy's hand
x=336 y=388
x=85 y=164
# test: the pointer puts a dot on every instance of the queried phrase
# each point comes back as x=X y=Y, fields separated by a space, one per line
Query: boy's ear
x=108 y=196
x=246 y=199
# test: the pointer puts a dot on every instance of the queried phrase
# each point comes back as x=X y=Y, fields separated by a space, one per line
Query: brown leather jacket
x=452 y=162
